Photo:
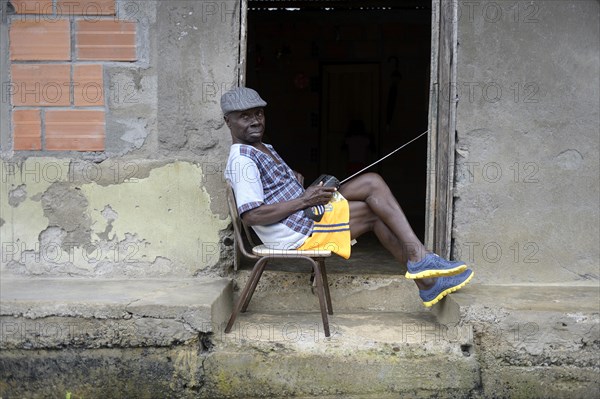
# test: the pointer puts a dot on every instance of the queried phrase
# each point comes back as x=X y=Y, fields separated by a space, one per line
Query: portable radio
x=316 y=212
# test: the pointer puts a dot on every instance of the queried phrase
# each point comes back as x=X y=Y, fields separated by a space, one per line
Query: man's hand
x=268 y=214
x=318 y=195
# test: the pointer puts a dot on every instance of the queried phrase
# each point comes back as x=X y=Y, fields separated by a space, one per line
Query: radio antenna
x=381 y=159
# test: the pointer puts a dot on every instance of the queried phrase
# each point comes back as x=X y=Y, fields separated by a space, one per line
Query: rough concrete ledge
x=266 y=355
x=527 y=297
x=511 y=342
x=59 y=313
x=279 y=354
x=366 y=292
x=533 y=341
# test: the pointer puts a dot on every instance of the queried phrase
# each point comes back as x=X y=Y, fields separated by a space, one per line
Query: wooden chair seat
x=262 y=250
x=263 y=254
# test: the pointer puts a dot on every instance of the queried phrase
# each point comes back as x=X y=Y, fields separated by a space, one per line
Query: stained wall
x=526 y=184
x=112 y=139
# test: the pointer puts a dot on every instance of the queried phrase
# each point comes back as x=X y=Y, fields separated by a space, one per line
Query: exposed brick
x=85 y=7
x=27 y=129
x=75 y=130
x=88 y=85
x=40 y=40
x=106 y=40
x=32 y=6
x=41 y=84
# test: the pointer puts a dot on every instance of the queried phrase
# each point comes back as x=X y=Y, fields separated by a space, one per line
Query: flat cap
x=241 y=99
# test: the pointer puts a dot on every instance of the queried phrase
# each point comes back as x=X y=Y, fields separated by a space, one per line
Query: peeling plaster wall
x=151 y=226
x=152 y=204
x=145 y=219
x=527 y=189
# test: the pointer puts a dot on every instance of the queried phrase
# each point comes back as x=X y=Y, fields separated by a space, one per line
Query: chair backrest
x=239 y=227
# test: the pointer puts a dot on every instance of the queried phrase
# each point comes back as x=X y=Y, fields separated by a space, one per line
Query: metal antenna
x=381 y=159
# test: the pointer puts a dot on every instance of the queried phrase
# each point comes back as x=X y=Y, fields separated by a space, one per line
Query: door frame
x=442 y=127
x=442 y=119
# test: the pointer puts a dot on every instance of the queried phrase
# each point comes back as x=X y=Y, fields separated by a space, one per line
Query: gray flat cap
x=241 y=99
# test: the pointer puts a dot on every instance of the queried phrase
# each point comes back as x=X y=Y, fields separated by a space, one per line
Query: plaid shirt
x=279 y=184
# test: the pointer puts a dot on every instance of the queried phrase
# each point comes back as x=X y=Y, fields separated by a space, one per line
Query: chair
x=262 y=255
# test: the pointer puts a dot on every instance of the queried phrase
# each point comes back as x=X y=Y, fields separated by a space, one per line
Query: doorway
x=331 y=70
x=349 y=117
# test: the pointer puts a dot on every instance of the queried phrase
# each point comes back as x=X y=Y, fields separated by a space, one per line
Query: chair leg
x=325 y=285
x=322 y=300
x=256 y=271
x=254 y=282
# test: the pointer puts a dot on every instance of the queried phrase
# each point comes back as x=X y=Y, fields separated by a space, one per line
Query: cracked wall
x=526 y=191
x=152 y=203
x=151 y=226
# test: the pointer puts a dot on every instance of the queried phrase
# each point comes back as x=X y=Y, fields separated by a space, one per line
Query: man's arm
x=272 y=213
x=299 y=177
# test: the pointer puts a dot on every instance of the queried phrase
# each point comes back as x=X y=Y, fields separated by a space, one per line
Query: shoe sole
x=448 y=291
x=436 y=273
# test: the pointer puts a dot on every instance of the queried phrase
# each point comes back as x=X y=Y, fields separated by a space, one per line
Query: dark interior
x=346 y=82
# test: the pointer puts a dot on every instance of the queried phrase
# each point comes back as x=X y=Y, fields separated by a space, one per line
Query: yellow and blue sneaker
x=433 y=265
x=444 y=286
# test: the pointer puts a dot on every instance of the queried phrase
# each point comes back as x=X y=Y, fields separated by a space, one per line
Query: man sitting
x=271 y=198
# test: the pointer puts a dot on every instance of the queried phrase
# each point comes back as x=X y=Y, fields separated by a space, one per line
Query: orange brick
x=27 y=130
x=32 y=6
x=106 y=40
x=88 y=85
x=41 y=84
x=85 y=7
x=75 y=130
x=40 y=40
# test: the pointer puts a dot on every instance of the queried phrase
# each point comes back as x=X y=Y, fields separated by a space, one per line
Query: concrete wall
x=527 y=190
x=150 y=204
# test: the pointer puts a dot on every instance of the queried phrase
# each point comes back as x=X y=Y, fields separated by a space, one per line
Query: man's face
x=247 y=127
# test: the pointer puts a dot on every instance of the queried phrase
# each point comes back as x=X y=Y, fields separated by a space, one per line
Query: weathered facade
x=112 y=182
x=148 y=201
x=526 y=184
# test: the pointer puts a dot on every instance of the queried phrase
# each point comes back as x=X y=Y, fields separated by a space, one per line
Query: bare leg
x=372 y=190
x=362 y=220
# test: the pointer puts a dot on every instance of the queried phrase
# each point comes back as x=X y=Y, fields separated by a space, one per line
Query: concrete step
x=57 y=313
x=504 y=341
x=165 y=338
x=293 y=291
x=369 y=354
x=533 y=341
